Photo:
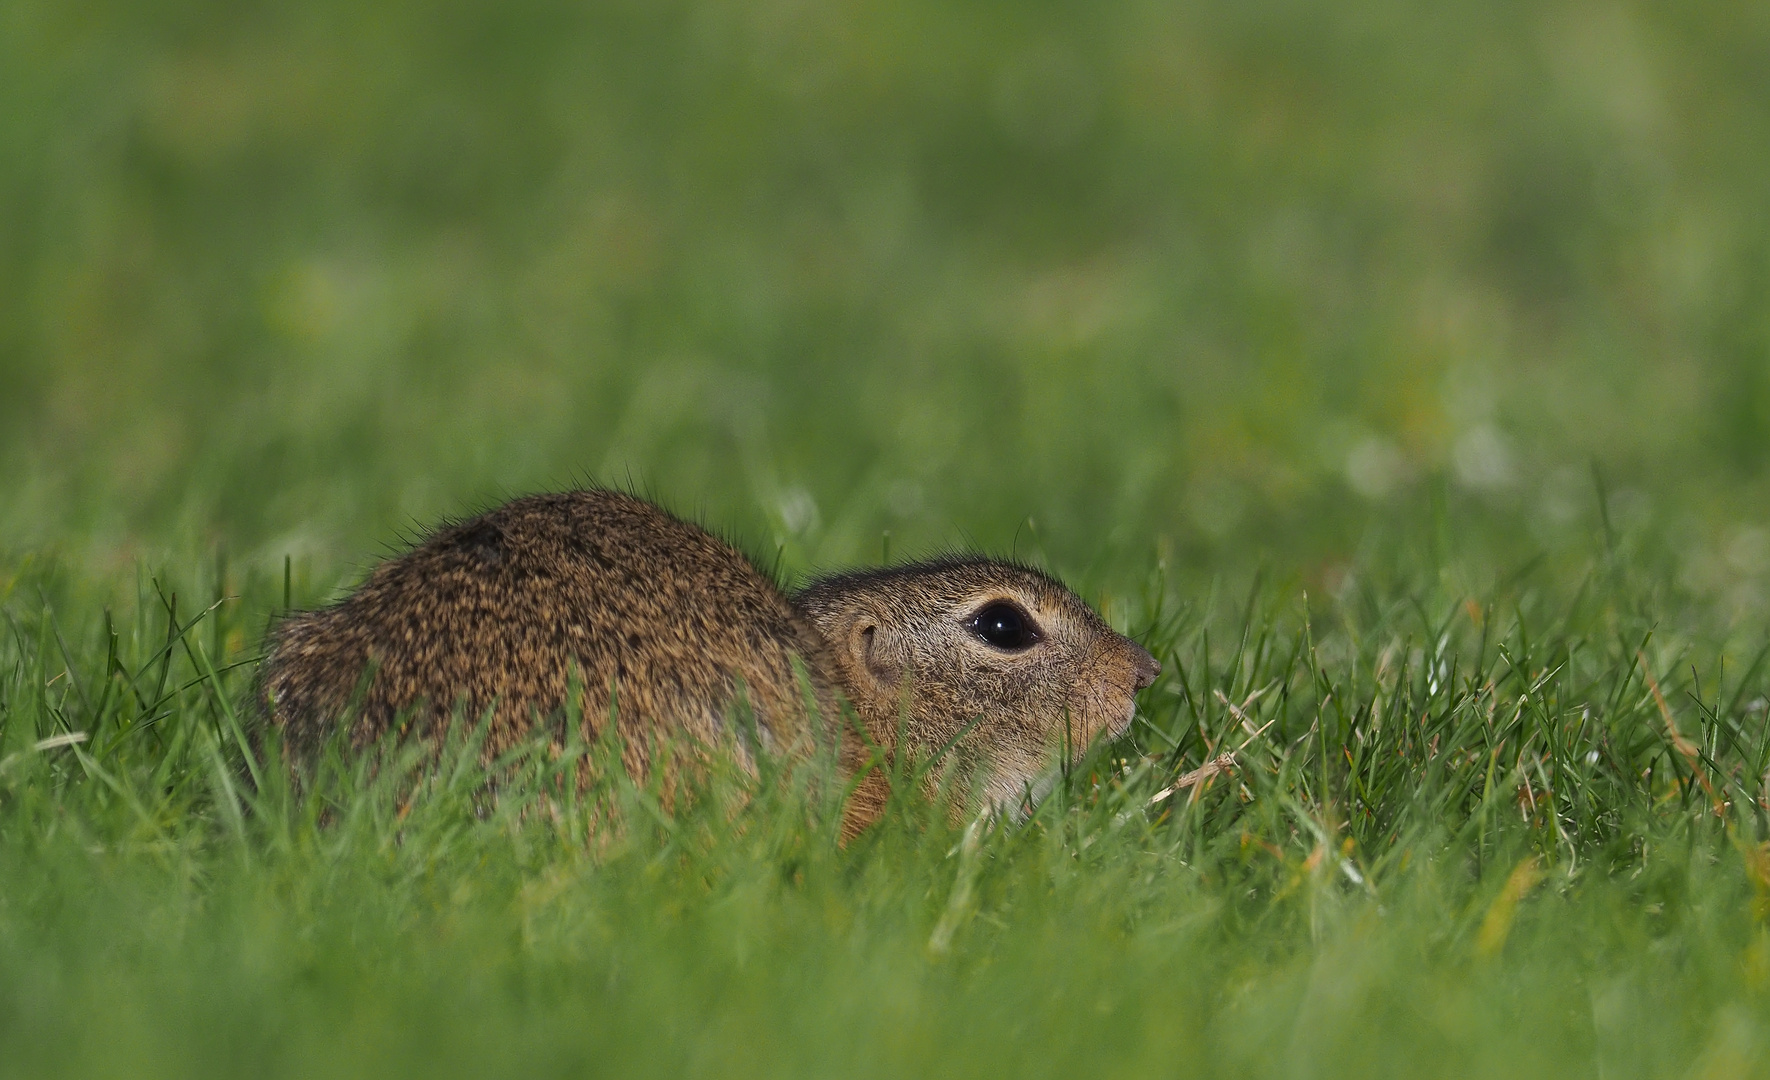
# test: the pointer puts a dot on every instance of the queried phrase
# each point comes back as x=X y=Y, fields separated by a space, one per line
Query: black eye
x=1005 y=626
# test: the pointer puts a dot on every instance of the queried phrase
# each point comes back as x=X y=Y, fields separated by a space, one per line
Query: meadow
x=1399 y=375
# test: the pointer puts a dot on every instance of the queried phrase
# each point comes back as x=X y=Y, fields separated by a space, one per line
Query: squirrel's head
x=933 y=647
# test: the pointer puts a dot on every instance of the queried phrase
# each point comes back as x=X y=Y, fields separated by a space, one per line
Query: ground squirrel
x=671 y=625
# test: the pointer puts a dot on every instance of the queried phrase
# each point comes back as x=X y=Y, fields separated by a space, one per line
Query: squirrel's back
x=654 y=615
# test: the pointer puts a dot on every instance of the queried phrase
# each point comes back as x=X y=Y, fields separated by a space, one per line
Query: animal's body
x=666 y=626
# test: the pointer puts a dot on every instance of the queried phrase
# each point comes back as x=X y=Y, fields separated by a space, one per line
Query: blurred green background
x=1108 y=284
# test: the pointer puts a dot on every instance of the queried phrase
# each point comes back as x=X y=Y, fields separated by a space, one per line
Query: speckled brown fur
x=499 y=611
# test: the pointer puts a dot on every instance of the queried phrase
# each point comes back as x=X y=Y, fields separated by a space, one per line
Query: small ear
x=873 y=662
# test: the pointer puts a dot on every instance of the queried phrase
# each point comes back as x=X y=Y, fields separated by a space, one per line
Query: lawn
x=1399 y=376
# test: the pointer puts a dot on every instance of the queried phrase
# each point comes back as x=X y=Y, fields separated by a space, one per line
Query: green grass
x=1400 y=375
x=1474 y=836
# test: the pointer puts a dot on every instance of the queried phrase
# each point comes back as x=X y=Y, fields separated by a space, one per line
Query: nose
x=1146 y=666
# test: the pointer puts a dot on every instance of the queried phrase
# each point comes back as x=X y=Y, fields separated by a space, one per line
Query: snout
x=1144 y=666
